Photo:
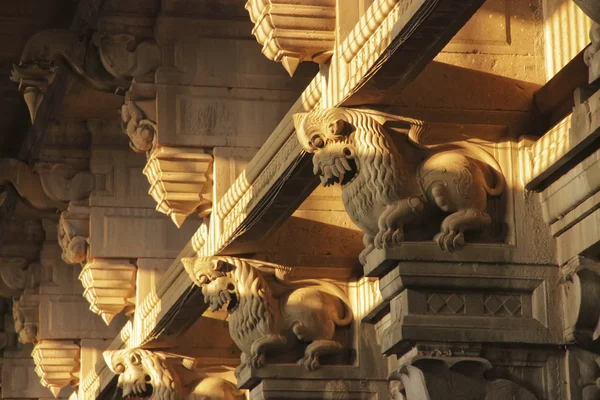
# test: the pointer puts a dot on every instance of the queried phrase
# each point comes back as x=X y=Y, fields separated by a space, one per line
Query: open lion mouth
x=224 y=297
x=340 y=170
x=138 y=392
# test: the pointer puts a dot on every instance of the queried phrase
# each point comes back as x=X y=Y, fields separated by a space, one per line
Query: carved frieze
x=387 y=186
x=156 y=375
x=267 y=313
x=109 y=287
x=293 y=33
x=56 y=363
x=180 y=181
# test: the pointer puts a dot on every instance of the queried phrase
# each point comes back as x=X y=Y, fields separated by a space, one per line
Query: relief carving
x=102 y=61
x=140 y=130
x=73 y=234
x=268 y=313
x=154 y=375
x=581 y=287
x=453 y=379
x=26 y=318
x=386 y=186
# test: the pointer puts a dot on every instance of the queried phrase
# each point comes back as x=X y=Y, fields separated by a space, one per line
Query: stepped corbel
x=157 y=375
x=109 y=287
x=57 y=364
x=105 y=61
x=294 y=33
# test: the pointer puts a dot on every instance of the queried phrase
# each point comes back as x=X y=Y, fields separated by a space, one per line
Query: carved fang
x=33 y=97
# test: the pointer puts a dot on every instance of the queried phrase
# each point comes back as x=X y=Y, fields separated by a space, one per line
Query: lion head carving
x=143 y=373
x=351 y=148
x=153 y=375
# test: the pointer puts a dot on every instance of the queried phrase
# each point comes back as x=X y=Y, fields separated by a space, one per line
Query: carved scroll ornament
x=268 y=313
x=385 y=187
x=154 y=375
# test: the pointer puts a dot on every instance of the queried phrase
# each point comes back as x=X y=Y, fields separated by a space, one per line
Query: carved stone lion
x=150 y=375
x=266 y=313
x=386 y=186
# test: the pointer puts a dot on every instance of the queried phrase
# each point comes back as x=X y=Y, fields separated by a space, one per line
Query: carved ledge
x=26 y=317
x=169 y=377
x=109 y=287
x=267 y=313
x=293 y=33
x=180 y=181
x=388 y=182
x=73 y=234
x=57 y=364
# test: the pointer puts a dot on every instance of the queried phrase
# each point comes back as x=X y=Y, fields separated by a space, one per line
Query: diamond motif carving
x=445 y=303
x=503 y=305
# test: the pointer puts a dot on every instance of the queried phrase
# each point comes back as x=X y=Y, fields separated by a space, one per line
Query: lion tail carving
x=418 y=129
x=332 y=289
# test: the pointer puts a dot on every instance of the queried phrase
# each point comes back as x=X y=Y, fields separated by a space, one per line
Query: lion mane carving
x=388 y=182
x=267 y=313
x=153 y=375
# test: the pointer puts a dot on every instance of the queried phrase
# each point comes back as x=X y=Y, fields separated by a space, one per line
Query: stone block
x=213 y=116
x=136 y=232
x=119 y=179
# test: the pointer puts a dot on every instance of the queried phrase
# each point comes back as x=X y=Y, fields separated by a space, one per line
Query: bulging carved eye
x=337 y=127
x=317 y=141
x=135 y=359
x=119 y=368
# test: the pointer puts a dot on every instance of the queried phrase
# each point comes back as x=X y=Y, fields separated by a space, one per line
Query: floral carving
x=386 y=186
x=154 y=375
x=268 y=313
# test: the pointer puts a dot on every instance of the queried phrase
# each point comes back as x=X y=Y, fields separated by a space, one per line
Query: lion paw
x=257 y=361
x=309 y=363
x=450 y=241
x=388 y=238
